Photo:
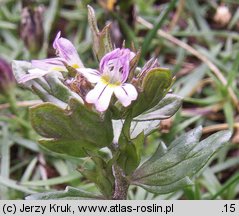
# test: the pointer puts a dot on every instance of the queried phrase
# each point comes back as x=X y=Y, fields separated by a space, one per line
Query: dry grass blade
x=21 y=104
x=218 y=127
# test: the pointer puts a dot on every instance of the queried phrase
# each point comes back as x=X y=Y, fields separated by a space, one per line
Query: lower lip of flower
x=107 y=80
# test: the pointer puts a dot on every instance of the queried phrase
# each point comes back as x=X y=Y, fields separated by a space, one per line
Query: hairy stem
x=121 y=184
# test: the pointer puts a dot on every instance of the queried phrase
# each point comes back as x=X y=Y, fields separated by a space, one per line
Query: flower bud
x=151 y=64
x=7 y=80
x=32 y=28
x=223 y=15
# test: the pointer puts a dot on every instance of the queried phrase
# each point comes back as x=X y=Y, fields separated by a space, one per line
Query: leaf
x=101 y=40
x=59 y=90
x=184 y=158
x=46 y=96
x=155 y=86
x=176 y=152
x=71 y=131
x=130 y=153
x=143 y=126
x=184 y=182
x=101 y=175
x=160 y=151
x=20 y=69
x=166 y=108
x=130 y=149
x=67 y=194
x=136 y=128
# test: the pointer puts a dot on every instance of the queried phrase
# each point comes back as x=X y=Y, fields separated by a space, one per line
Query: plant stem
x=121 y=184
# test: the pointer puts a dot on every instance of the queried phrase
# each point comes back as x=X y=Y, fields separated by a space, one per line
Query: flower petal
x=91 y=75
x=66 y=50
x=116 y=64
x=55 y=64
x=33 y=74
x=125 y=94
x=100 y=96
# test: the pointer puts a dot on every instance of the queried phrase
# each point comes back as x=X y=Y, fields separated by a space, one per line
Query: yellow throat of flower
x=107 y=80
x=75 y=66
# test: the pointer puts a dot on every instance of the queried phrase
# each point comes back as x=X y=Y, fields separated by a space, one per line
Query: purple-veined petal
x=100 y=96
x=116 y=64
x=126 y=94
x=33 y=74
x=50 y=64
x=91 y=75
x=107 y=57
x=66 y=50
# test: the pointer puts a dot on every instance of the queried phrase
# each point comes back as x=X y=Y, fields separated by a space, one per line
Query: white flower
x=110 y=79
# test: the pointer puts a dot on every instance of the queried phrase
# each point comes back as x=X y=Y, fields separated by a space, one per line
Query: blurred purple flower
x=31 y=31
x=111 y=78
x=7 y=79
x=67 y=56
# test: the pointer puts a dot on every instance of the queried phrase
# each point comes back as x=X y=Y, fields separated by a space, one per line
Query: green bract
x=101 y=39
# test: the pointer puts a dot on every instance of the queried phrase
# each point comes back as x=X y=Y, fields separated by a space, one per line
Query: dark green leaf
x=101 y=175
x=130 y=149
x=143 y=126
x=59 y=90
x=167 y=107
x=176 y=152
x=184 y=158
x=168 y=188
x=136 y=128
x=19 y=69
x=71 y=131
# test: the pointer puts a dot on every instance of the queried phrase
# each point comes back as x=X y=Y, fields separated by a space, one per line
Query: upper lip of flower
x=67 y=54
